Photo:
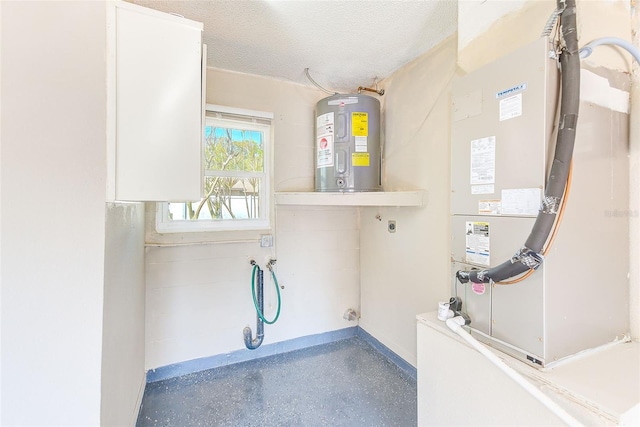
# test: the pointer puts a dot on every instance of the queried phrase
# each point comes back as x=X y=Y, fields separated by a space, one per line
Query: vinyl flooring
x=344 y=383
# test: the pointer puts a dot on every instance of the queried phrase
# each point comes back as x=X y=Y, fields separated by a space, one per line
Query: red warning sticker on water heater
x=324 y=140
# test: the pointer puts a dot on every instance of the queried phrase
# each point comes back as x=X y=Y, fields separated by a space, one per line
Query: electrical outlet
x=266 y=240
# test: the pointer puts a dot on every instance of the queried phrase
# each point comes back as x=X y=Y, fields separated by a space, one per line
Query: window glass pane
x=236 y=178
x=231 y=149
x=229 y=198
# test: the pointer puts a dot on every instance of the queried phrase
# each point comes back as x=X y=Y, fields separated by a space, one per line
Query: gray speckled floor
x=341 y=383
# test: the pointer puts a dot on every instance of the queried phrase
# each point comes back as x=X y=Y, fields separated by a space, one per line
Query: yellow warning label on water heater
x=359 y=124
x=359 y=159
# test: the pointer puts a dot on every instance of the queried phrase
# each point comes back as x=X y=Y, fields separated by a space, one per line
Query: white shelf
x=373 y=198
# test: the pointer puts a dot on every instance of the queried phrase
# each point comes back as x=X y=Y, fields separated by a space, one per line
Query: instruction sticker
x=477 y=243
x=483 y=189
x=511 y=107
x=521 y=201
x=489 y=207
x=483 y=161
x=360 y=159
x=361 y=144
x=359 y=124
x=324 y=140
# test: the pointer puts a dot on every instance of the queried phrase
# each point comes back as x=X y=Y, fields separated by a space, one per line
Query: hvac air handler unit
x=348 y=156
x=503 y=142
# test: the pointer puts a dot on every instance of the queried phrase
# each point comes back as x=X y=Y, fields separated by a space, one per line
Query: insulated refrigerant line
x=529 y=257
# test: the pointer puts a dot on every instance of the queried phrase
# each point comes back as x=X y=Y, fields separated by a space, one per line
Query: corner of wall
x=123 y=340
x=486 y=46
x=393 y=286
x=634 y=184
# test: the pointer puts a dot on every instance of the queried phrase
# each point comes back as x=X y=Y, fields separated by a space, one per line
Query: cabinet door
x=158 y=106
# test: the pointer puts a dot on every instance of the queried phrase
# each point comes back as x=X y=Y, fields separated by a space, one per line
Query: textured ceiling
x=344 y=43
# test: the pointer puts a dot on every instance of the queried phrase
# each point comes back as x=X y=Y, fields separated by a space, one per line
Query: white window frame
x=246 y=119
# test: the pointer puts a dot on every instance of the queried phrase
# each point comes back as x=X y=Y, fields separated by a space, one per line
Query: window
x=236 y=161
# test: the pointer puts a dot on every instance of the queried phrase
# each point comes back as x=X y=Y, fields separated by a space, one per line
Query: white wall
x=53 y=211
x=0 y=220
x=475 y=17
x=199 y=295
x=634 y=184
x=488 y=30
x=123 y=374
x=407 y=272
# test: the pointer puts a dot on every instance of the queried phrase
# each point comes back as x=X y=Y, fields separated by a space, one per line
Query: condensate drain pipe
x=456 y=323
x=258 y=302
x=611 y=41
x=252 y=344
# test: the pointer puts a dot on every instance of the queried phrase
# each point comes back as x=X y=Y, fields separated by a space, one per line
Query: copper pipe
x=379 y=92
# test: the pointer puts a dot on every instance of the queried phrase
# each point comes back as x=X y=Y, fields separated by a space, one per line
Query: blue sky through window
x=236 y=134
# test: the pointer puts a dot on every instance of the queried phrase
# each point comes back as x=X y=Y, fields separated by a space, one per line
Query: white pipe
x=306 y=71
x=615 y=41
x=455 y=325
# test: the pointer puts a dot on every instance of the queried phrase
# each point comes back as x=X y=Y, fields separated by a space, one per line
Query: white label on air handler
x=483 y=189
x=511 y=107
x=521 y=201
x=324 y=143
x=489 y=207
x=477 y=243
x=483 y=161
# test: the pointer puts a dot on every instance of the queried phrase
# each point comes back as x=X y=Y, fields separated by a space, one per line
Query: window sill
x=377 y=198
x=154 y=238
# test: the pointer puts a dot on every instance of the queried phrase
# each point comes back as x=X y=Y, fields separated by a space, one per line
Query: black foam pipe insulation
x=530 y=256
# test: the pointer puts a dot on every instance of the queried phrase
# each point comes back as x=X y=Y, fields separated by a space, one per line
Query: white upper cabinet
x=155 y=108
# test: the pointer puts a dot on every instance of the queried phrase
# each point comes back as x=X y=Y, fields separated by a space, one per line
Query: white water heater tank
x=348 y=156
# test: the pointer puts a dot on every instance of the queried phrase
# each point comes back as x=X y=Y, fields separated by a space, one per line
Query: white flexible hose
x=306 y=71
x=455 y=325
x=615 y=41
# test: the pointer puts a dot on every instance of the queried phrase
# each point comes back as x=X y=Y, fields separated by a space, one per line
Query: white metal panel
x=586 y=269
x=476 y=304
x=158 y=106
x=520 y=142
x=514 y=311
